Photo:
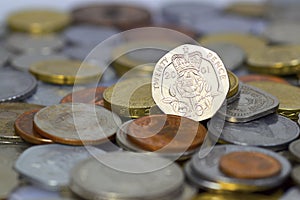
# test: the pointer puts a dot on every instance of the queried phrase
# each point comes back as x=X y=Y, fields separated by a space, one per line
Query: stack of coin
x=234 y=87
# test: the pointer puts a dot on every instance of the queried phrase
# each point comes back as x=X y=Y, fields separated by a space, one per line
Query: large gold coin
x=65 y=72
x=233 y=84
x=277 y=60
x=287 y=95
x=38 y=21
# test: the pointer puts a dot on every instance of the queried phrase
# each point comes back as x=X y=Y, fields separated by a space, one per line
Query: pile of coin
x=202 y=100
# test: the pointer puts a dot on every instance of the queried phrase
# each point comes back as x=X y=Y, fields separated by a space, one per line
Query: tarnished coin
x=117 y=15
x=24 y=128
x=273 y=131
x=284 y=32
x=44 y=44
x=249 y=165
x=252 y=103
x=16 y=86
x=260 y=77
x=76 y=123
x=231 y=55
x=296 y=174
x=49 y=166
x=4 y=56
x=38 y=21
x=23 y=62
x=89 y=95
x=9 y=112
x=133 y=179
x=294 y=148
x=190 y=81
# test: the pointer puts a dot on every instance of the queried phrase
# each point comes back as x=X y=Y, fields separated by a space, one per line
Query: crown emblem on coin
x=187 y=61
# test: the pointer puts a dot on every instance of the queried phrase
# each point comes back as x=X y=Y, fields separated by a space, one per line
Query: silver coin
x=291 y=194
x=23 y=43
x=285 y=32
x=124 y=142
x=87 y=35
x=29 y=192
x=4 y=56
x=294 y=148
x=207 y=168
x=273 y=131
x=77 y=52
x=251 y=104
x=231 y=55
x=23 y=62
x=49 y=166
x=131 y=173
x=16 y=86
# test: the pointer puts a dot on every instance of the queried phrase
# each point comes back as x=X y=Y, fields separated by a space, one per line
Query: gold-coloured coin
x=233 y=84
x=247 y=42
x=276 y=60
x=287 y=95
x=130 y=98
x=248 y=9
x=65 y=72
x=38 y=21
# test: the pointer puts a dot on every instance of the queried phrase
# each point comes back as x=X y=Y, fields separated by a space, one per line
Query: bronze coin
x=24 y=128
x=256 y=77
x=89 y=95
x=120 y=16
x=249 y=165
x=168 y=133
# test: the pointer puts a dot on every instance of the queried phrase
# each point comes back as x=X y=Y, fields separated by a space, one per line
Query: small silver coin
x=4 y=56
x=251 y=104
x=231 y=55
x=87 y=35
x=273 y=132
x=294 y=148
x=283 y=32
x=23 y=43
x=23 y=62
x=296 y=174
x=207 y=168
x=16 y=86
x=49 y=166
x=291 y=194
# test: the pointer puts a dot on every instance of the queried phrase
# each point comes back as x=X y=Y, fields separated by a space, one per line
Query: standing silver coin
x=190 y=81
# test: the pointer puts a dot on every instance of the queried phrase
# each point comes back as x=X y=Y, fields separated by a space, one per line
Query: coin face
x=89 y=95
x=76 y=123
x=249 y=165
x=190 y=81
x=168 y=133
x=260 y=77
x=24 y=128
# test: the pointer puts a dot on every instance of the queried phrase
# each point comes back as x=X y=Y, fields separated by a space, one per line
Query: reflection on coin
x=294 y=148
x=23 y=62
x=190 y=81
x=260 y=77
x=23 y=43
x=16 y=86
x=251 y=104
x=49 y=166
x=24 y=128
x=296 y=174
x=285 y=32
x=89 y=95
x=273 y=131
x=133 y=179
x=4 y=56
x=249 y=165
x=231 y=55
x=76 y=123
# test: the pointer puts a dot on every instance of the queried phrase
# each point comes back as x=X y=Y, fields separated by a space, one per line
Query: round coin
x=38 y=21
x=233 y=84
x=76 y=123
x=65 y=72
x=16 y=86
x=260 y=77
x=89 y=95
x=190 y=81
x=249 y=165
x=120 y=16
x=167 y=133
x=24 y=128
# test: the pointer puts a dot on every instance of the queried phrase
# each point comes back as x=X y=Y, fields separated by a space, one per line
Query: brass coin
x=38 y=21
x=24 y=128
x=9 y=112
x=260 y=77
x=249 y=165
x=248 y=9
x=233 y=84
x=65 y=72
x=276 y=60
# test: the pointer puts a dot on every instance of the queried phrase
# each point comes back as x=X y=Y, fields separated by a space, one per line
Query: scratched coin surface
x=49 y=166
x=76 y=123
x=190 y=81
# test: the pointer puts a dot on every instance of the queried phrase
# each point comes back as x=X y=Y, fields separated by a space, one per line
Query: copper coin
x=120 y=16
x=249 y=165
x=24 y=128
x=256 y=77
x=166 y=132
x=89 y=95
